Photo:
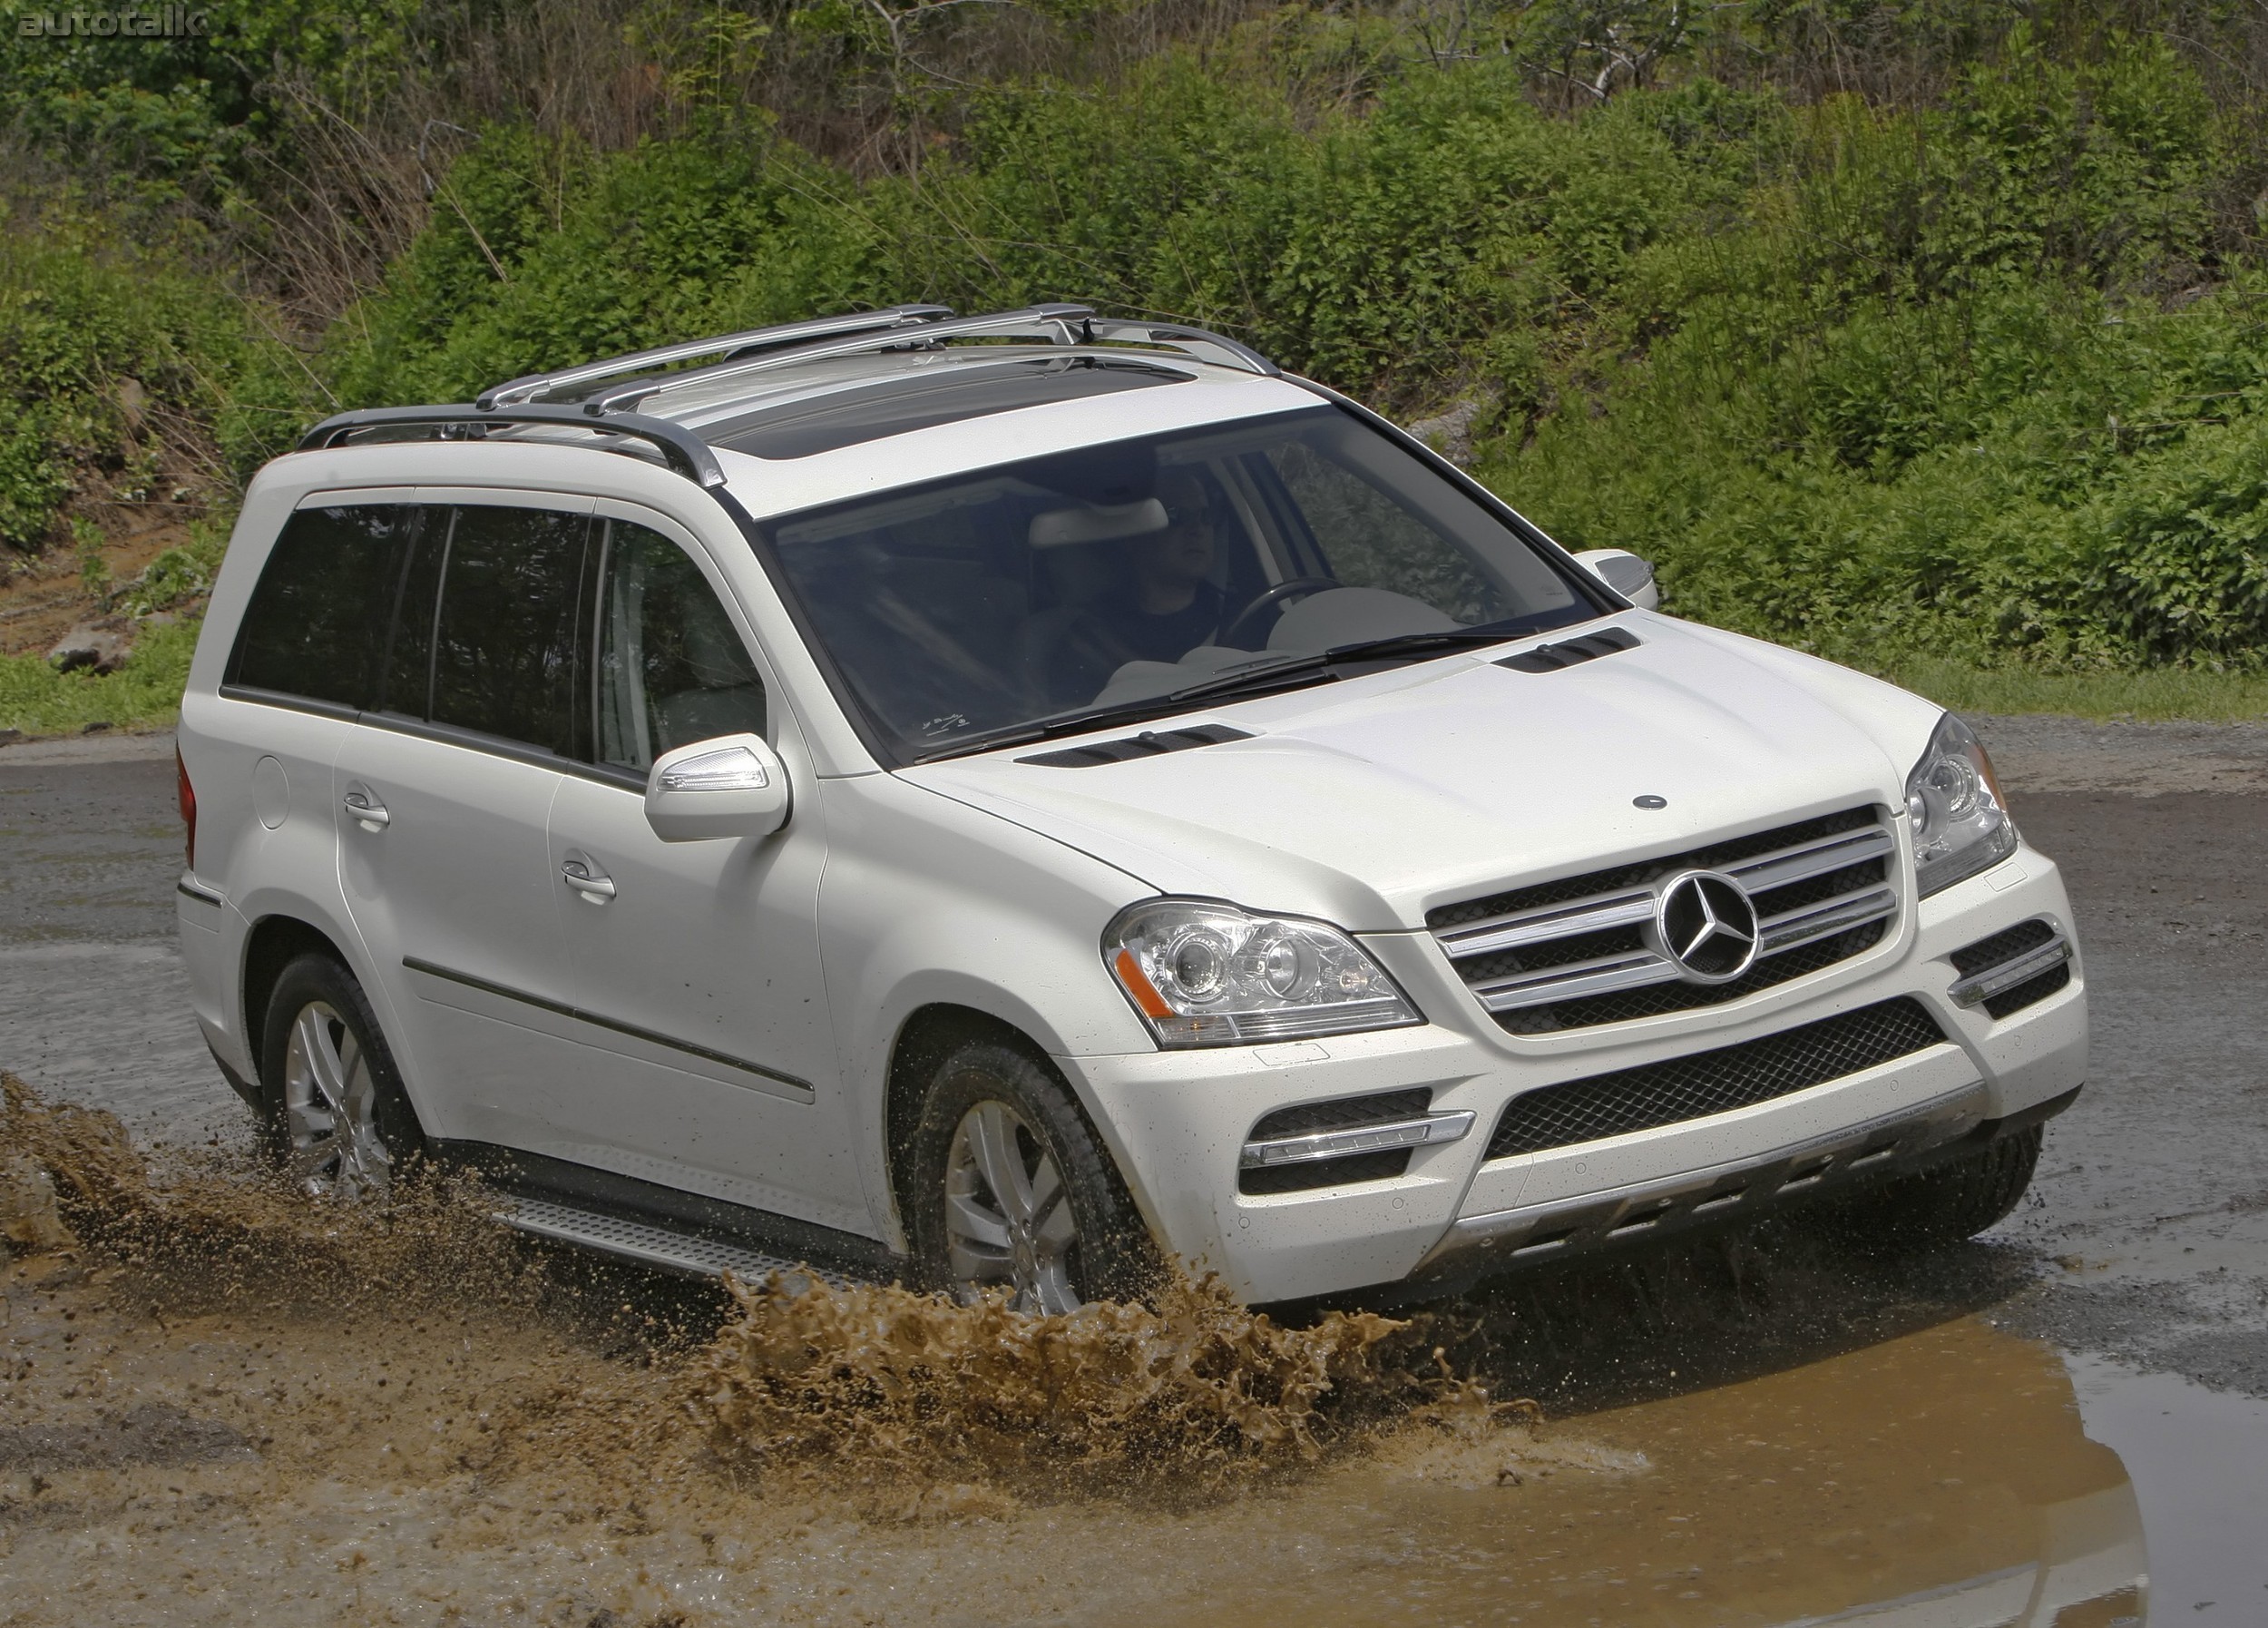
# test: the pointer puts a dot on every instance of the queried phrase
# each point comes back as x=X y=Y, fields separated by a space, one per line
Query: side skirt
x=663 y=1226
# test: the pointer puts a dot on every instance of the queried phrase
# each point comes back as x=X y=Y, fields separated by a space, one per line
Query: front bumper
x=1178 y=1121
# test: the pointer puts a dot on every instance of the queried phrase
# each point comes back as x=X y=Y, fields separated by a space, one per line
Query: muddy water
x=220 y=1405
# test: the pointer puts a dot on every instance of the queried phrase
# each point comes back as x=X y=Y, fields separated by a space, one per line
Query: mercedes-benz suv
x=1014 y=801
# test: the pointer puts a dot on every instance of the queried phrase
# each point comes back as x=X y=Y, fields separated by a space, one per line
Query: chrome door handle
x=585 y=880
x=368 y=809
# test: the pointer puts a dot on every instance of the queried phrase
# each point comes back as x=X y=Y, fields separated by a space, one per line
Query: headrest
x=1098 y=523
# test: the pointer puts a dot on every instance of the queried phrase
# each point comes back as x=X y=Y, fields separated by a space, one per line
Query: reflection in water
x=247 y=1410
x=1941 y=1478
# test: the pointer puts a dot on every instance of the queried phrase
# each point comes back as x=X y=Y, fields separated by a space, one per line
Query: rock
x=89 y=648
x=1450 y=432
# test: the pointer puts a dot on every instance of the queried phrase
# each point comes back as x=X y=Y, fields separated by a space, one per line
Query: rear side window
x=317 y=624
x=505 y=656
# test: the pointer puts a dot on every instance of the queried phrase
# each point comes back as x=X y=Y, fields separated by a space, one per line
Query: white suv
x=1008 y=801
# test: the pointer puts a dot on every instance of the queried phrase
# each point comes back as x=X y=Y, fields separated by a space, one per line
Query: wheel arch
x=273 y=944
x=928 y=1034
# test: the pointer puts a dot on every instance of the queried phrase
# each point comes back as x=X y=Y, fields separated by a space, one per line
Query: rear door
x=445 y=790
x=696 y=964
x=305 y=664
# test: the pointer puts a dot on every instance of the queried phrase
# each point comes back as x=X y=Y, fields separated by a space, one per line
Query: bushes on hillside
x=114 y=363
x=1973 y=379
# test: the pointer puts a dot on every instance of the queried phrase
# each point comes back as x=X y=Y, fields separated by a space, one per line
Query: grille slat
x=1713 y=1081
x=1579 y=952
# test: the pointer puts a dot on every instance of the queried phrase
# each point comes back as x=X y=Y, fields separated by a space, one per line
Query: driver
x=1168 y=607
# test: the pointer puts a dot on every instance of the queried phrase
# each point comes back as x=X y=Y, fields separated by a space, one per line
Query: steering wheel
x=1267 y=599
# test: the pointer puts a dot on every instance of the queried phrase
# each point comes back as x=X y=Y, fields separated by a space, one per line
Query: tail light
x=187 y=794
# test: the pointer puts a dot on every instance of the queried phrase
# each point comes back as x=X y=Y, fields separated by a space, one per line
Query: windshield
x=1109 y=580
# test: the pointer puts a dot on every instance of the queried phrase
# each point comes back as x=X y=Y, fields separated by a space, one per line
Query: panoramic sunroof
x=896 y=406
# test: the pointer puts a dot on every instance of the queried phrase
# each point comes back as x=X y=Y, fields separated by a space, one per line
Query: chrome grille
x=1581 y=951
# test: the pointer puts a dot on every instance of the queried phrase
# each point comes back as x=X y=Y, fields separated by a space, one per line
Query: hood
x=1371 y=800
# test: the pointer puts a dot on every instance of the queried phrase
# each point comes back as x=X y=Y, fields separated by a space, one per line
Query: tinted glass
x=899 y=406
x=505 y=656
x=671 y=667
x=317 y=621
x=1115 y=575
x=407 y=681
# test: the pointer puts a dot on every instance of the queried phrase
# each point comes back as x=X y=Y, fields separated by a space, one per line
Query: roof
x=809 y=388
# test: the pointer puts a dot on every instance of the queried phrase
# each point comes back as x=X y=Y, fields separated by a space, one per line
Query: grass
x=145 y=694
x=2156 y=695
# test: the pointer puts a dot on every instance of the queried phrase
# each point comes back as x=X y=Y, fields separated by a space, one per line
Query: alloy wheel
x=330 y=1109
x=1008 y=1217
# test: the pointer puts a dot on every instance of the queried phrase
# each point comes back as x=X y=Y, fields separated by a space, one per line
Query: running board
x=691 y=1254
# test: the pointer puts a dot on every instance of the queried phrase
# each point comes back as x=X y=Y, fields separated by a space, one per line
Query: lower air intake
x=1716 y=1081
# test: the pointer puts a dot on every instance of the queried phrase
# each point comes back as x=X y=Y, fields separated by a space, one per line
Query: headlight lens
x=1207 y=974
x=1960 y=820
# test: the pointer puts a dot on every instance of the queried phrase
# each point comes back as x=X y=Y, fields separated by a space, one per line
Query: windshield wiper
x=1269 y=675
x=1254 y=677
x=1413 y=644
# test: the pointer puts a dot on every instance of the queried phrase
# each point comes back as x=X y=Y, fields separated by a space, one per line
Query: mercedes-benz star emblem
x=1704 y=922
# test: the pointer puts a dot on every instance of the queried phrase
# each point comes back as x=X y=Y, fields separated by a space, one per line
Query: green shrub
x=144 y=693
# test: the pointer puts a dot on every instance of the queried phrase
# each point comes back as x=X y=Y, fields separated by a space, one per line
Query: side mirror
x=1625 y=573
x=733 y=786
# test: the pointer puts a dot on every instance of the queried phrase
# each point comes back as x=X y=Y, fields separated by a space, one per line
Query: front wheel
x=338 y=1119
x=1945 y=1205
x=1009 y=1190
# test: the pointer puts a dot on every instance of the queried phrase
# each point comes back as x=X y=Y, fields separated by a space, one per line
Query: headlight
x=1207 y=974
x=1960 y=821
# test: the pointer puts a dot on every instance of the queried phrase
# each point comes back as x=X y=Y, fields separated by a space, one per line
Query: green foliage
x=179 y=575
x=144 y=693
x=96 y=345
x=1975 y=379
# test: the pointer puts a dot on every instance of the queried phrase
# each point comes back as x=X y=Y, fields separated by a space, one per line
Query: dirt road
x=1703 y=1401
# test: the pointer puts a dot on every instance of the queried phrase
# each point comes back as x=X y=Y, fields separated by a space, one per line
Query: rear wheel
x=1945 y=1205
x=338 y=1119
x=1008 y=1189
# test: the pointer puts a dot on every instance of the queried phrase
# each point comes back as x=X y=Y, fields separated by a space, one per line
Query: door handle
x=586 y=879
x=364 y=807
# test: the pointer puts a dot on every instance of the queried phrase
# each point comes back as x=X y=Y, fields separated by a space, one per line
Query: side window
x=671 y=667
x=505 y=644
x=317 y=619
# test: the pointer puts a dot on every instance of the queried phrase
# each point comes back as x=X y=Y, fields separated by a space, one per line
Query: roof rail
x=686 y=452
x=1052 y=322
x=1199 y=342
x=518 y=391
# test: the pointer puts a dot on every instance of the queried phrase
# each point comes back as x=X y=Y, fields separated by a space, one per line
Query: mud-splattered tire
x=1006 y=1186
x=1943 y=1206
x=337 y=1119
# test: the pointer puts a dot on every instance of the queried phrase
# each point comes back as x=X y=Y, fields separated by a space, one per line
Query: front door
x=696 y=964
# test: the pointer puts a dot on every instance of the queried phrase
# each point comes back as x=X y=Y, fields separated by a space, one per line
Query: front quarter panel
x=926 y=901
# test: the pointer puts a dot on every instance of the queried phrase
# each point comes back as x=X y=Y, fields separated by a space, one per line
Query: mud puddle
x=2199 y=1461
x=219 y=1403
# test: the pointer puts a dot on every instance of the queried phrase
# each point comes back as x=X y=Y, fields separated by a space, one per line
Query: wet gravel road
x=2141 y=1256
x=2146 y=1229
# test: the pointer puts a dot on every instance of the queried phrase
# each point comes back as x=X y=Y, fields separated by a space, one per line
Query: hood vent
x=1568 y=653
x=1150 y=744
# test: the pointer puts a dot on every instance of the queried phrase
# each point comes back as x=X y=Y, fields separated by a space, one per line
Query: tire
x=1942 y=1207
x=1068 y=1232
x=338 y=1120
